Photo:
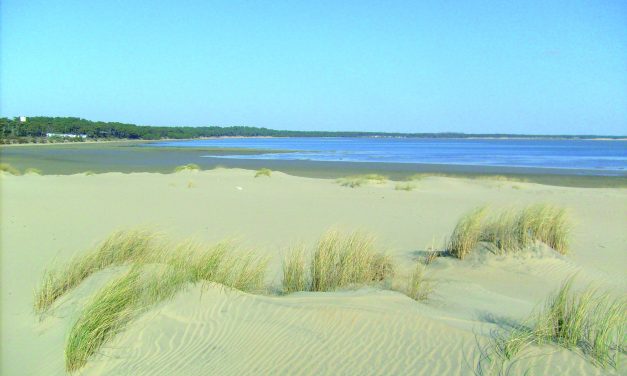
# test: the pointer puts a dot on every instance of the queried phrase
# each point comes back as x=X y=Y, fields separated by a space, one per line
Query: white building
x=22 y=119
x=66 y=135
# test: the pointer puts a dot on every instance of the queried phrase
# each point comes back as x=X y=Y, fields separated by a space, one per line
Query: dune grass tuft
x=33 y=171
x=5 y=167
x=467 y=233
x=106 y=313
x=119 y=302
x=263 y=172
x=295 y=276
x=337 y=261
x=342 y=260
x=511 y=230
x=187 y=167
x=590 y=321
x=415 y=285
x=355 y=181
x=89 y=173
x=121 y=247
x=405 y=187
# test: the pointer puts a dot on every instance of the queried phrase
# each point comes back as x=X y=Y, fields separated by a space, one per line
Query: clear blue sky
x=549 y=67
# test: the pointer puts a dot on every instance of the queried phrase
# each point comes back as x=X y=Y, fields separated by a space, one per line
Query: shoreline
x=69 y=158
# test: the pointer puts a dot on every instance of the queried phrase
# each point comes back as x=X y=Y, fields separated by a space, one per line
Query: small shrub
x=467 y=233
x=89 y=173
x=187 y=167
x=5 y=167
x=263 y=172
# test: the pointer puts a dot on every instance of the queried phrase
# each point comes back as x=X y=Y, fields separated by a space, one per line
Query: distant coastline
x=34 y=130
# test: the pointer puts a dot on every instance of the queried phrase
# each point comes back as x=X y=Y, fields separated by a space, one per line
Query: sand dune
x=365 y=331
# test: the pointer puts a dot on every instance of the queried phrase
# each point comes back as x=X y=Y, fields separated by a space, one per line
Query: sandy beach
x=368 y=331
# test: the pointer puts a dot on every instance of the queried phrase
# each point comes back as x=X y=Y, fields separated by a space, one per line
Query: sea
x=602 y=157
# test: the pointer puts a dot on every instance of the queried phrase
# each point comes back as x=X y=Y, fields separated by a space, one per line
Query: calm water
x=606 y=157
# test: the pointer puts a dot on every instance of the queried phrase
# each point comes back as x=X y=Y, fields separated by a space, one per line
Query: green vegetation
x=33 y=171
x=187 y=167
x=263 y=172
x=355 y=181
x=5 y=167
x=405 y=187
x=514 y=230
x=295 y=276
x=587 y=320
x=89 y=173
x=511 y=230
x=415 y=285
x=466 y=234
x=35 y=129
x=156 y=274
x=120 y=248
x=337 y=261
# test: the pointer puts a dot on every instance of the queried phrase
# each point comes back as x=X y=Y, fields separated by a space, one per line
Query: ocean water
x=603 y=157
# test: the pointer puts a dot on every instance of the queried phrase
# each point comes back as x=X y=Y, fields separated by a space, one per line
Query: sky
x=546 y=67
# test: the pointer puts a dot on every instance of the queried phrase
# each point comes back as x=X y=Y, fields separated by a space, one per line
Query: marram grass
x=594 y=323
x=511 y=230
x=263 y=172
x=295 y=277
x=355 y=181
x=338 y=260
x=187 y=167
x=32 y=171
x=466 y=234
x=119 y=302
x=5 y=167
x=415 y=286
x=120 y=248
x=405 y=186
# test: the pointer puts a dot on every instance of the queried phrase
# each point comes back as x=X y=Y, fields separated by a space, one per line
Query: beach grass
x=405 y=186
x=511 y=230
x=587 y=320
x=104 y=315
x=122 y=300
x=337 y=260
x=341 y=260
x=263 y=172
x=121 y=247
x=355 y=181
x=33 y=171
x=295 y=276
x=6 y=167
x=416 y=286
x=467 y=233
x=187 y=167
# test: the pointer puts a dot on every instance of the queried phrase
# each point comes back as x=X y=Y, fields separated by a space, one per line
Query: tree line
x=36 y=128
